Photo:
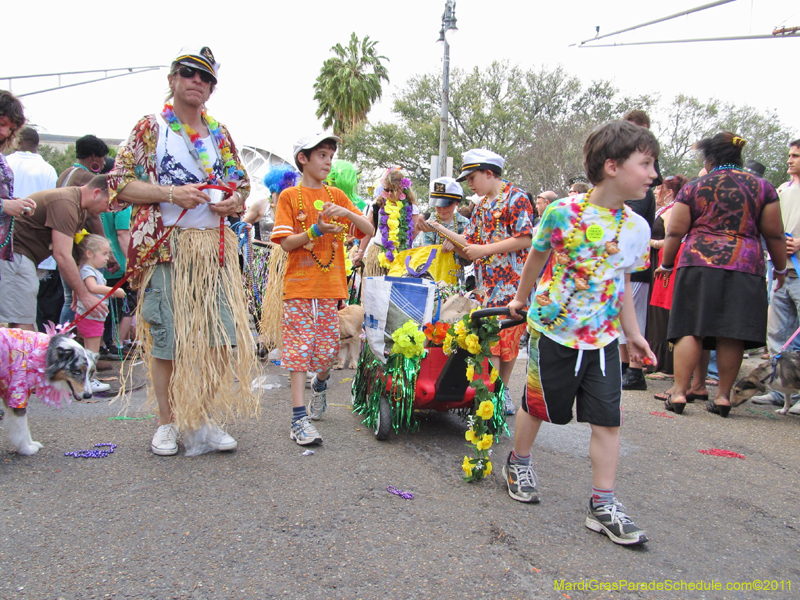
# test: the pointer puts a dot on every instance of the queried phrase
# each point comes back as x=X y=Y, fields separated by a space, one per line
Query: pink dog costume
x=23 y=363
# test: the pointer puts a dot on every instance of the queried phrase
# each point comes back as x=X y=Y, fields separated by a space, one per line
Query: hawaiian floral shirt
x=136 y=160
x=497 y=276
x=430 y=238
x=592 y=315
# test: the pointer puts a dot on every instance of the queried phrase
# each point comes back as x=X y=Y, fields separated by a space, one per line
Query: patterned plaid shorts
x=310 y=334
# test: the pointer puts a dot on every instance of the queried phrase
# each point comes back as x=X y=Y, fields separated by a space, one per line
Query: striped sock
x=298 y=412
x=601 y=497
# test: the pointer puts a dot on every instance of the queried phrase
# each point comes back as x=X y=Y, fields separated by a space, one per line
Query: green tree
x=536 y=119
x=687 y=120
x=58 y=159
x=349 y=84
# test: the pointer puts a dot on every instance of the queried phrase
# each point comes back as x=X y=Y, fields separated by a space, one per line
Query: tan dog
x=351 y=321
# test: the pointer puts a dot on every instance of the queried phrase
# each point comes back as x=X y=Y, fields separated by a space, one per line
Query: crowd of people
x=627 y=272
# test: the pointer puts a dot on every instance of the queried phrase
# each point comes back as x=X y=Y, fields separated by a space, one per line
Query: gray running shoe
x=304 y=433
x=509 y=404
x=521 y=481
x=319 y=401
x=612 y=520
x=767 y=398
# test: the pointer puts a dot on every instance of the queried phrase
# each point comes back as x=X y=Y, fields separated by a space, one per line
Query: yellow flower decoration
x=485 y=410
x=408 y=340
x=493 y=375
x=487 y=470
x=447 y=346
x=485 y=442
x=470 y=436
x=467 y=466
x=470 y=373
x=473 y=343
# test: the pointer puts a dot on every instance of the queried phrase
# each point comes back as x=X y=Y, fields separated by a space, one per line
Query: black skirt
x=712 y=303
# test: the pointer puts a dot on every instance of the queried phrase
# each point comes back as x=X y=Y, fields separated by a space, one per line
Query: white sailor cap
x=445 y=191
x=479 y=159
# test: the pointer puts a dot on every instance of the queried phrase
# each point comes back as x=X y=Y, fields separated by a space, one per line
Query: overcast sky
x=271 y=54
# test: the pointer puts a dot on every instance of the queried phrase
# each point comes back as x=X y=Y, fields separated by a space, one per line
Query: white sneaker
x=767 y=398
x=218 y=439
x=99 y=386
x=795 y=410
x=165 y=441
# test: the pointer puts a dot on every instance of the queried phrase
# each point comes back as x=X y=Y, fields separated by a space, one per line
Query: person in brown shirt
x=50 y=229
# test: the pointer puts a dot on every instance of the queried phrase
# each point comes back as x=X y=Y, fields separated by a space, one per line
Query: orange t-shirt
x=304 y=276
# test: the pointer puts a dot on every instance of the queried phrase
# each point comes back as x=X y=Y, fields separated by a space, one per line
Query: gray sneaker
x=509 y=404
x=521 y=481
x=612 y=520
x=304 y=433
x=319 y=401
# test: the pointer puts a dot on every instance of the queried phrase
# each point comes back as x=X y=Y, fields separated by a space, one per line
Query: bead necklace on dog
x=564 y=261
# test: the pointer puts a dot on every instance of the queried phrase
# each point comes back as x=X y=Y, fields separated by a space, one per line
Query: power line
x=128 y=71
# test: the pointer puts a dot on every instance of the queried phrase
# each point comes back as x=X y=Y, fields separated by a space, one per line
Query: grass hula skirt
x=270 y=326
x=204 y=382
x=373 y=268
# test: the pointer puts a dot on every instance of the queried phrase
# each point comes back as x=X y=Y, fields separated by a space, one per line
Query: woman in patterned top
x=720 y=300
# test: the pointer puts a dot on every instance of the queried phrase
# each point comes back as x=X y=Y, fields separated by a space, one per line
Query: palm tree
x=349 y=83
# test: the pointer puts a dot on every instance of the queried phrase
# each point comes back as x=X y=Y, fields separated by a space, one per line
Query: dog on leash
x=52 y=365
x=783 y=377
x=351 y=321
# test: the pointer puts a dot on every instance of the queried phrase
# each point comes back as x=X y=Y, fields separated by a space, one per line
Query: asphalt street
x=265 y=521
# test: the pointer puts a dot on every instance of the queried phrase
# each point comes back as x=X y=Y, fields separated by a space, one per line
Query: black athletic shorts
x=558 y=375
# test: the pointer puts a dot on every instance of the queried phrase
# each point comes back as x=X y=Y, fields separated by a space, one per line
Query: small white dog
x=49 y=364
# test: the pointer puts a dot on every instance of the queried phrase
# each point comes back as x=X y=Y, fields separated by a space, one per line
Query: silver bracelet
x=781 y=271
x=669 y=269
x=172 y=187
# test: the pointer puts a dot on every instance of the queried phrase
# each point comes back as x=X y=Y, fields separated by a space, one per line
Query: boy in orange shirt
x=311 y=222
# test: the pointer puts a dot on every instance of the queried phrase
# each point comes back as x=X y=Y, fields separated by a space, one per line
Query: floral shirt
x=725 y=210
x=507 y=216
x=590 y=319
x=136 y=160
x=459 y=224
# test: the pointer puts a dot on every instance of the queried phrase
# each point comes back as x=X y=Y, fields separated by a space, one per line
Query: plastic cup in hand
x=215 y=195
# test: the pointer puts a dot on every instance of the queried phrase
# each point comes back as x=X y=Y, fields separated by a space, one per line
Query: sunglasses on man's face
x=189 y=73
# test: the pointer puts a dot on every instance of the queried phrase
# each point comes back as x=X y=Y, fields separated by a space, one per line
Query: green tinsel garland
x=370 y=383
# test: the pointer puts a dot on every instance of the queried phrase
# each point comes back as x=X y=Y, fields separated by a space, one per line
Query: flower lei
x=229 y=170
x=397 y=229
x=478 y=338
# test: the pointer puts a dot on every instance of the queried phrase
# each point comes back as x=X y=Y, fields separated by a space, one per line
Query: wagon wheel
x=383 y=424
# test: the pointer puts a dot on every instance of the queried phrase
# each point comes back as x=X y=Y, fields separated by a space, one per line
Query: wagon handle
x=505 y=324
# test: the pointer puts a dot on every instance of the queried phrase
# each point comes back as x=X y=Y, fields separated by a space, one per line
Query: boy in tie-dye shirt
x=593 y=243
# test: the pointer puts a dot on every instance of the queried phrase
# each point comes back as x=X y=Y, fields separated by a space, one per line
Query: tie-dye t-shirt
x=592 y=315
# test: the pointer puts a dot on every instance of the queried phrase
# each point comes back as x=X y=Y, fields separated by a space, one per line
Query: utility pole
x=448 y=24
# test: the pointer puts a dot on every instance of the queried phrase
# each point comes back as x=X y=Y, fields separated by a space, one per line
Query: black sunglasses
x=189 y=72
